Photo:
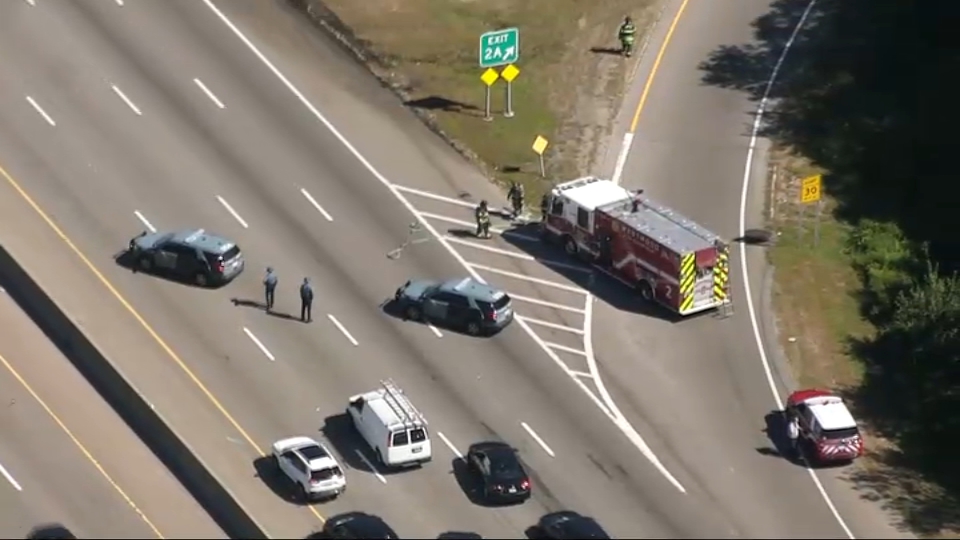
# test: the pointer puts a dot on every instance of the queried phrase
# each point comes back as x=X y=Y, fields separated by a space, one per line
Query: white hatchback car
x=311 y=467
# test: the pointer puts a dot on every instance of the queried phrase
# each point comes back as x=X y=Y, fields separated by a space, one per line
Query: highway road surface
x=66 y=459
x=121 y=116
x=702 y=382
x=158 y=115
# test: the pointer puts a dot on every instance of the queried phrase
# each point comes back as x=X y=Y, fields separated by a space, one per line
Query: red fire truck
x=666 y=257
x=827 y=428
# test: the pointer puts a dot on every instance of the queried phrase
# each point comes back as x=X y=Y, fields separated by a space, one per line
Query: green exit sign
x=500 y=47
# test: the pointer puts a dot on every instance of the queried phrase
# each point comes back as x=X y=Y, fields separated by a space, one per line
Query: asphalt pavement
x=67 y=460
x=121 y=134
x=705 y=376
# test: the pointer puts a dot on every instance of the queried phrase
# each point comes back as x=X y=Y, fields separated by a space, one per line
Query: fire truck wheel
x=646 y=290
x=570 y=246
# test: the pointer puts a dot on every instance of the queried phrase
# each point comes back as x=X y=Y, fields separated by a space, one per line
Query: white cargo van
x=391 y=425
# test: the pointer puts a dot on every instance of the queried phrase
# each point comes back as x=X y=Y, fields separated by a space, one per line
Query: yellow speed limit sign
x=810 y=189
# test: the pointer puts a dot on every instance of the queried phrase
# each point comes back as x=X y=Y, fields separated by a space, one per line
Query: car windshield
x=230 y=253
x=837 y=434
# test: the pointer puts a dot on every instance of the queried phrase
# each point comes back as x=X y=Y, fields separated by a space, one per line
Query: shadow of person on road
x=243 y=302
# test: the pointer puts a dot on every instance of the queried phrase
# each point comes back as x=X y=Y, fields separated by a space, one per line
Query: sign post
x=499 y=48
x=811 y=192
x=489 y=77
x=539 y=145
x=508 y=74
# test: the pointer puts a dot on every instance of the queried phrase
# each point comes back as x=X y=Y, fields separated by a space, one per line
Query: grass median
x=569 y=88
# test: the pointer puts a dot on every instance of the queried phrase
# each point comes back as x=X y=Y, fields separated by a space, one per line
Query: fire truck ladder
x=401 y=406
x=721 y=281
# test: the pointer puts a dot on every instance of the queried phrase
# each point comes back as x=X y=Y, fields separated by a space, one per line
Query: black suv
x=192 y=255
x=463 y=303
x=502 y=474
x=356 y=525
x=568 y=524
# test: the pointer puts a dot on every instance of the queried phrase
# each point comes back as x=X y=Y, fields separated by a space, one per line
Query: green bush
x=886 y=262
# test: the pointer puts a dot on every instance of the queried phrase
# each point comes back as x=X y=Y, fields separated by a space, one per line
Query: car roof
x=313 y=452
x=366 y=525
x=205 y=241
x=577 y=525
x=472 y=288
x=829 y=410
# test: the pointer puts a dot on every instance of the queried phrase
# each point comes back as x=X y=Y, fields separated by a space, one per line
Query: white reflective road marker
x=233 y=212
x=216 y=101
x=42 y=112
x=145 y=221
x=119 y=92
x=13 y=481
x=315 y=204
x=266 y=352
x=537 y=438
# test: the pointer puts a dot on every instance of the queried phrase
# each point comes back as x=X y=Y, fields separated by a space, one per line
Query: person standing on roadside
x=627 y=35
x=269 y=288
x=306 y=301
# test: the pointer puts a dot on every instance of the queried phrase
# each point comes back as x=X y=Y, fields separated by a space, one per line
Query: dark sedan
x=569 y=525
x=503 y=476
x=357 y=525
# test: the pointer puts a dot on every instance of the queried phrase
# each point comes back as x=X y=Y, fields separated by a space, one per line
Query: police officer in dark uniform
x=516 y=198
x=306 y=301
x=269 y=288
x=482 y=215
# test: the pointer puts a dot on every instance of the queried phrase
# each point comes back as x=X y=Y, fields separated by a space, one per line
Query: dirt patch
x=818 y=313
x=569 y=88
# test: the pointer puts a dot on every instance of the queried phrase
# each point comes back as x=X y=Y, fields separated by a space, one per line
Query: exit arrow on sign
x=499 y=48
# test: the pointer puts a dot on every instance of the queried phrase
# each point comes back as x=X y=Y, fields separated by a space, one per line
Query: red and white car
x=826 y=426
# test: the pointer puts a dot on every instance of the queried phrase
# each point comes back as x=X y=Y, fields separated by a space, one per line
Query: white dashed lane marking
x=533 y=434
x=145 y=221
x=256 y=341
x=216 y=101
x=39 y=109
x=128 y=101
x=236 y=216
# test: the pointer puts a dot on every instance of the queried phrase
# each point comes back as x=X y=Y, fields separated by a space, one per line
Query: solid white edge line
x=145 y=221
x=435 y=330
x=13 y=481
x=622 y=157
x=315 y=204
x=450 y=445
x=607 y=406
x=555 y=326
x=755 y=325
x=266 y=352
x=370 y=465
x=537 y=438
x=342 y=328
x=434 y=196
x=233 y=212
x=39 y=109
x=126 y=100
x=216 y=101
x=515 y=275
x=619 y=418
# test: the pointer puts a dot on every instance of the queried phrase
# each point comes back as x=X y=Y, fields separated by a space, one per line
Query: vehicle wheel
x=145 y=263
x=413 y=312
x=303 y=493
x=473 y=328
x=200 y=279
x=646 y=290
x=570 y=246
x=380 y=458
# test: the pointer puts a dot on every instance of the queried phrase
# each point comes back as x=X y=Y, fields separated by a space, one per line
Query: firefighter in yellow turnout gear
x=628 y=36
x=482 y=216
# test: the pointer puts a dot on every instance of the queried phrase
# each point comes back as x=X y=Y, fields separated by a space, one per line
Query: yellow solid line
x=83 y=449
x=656 y=66
x=136 y=315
